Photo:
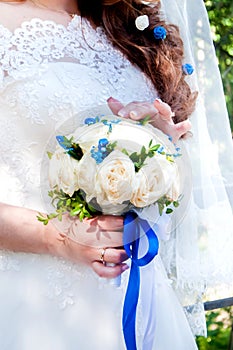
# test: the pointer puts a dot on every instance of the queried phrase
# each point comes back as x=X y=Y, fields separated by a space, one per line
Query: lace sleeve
x=5 y=43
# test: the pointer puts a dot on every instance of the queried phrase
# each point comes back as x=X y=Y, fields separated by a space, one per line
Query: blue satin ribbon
x=131 y=237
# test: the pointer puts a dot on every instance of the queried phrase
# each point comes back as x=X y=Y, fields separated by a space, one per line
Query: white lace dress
x=47 y=74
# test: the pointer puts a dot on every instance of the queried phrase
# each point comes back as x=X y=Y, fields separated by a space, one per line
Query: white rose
x=88 y=135
x=87 y=169
x=175 y=189
x=154 y=180
x=63 y=172
x=115 y=179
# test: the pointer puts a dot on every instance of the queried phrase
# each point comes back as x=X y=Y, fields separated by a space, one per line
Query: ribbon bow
x=131 y=237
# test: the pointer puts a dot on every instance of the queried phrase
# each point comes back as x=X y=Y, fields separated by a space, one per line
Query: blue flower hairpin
x=160 y=33
x=187 y=69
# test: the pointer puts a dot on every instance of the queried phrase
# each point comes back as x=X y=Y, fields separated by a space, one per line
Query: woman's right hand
x=20 y=231
x=93 y=237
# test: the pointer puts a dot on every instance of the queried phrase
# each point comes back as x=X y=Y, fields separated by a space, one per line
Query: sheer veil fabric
x=199 y=253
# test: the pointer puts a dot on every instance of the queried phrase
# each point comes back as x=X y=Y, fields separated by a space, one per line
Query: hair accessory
x=142 y=22
x=187 y=69
x=160 y=33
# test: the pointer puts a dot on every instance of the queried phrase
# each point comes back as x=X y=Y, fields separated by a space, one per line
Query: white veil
x=199 y=254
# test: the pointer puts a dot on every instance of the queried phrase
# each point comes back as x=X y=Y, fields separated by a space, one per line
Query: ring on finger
x=102 y=255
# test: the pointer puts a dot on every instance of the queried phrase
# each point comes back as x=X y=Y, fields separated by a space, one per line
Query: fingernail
x=122 y=113
x=158 y=100
x=133 y=114
x=124 y=267
x=111 y=99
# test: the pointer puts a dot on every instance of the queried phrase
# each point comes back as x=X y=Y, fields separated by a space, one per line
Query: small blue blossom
x=160 y=33
x=187 y=69
x=177 y=155
x=109 y=123
x=90 y=121
x=60 y=140
x=100 y=153
x=64 y=143
x=170 y=138
x=103 y=142
x=161 y=149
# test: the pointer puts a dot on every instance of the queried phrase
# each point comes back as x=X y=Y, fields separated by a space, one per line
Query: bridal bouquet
x=111 y=165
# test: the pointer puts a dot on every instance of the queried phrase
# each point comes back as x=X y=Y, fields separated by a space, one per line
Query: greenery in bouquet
x=110 y=165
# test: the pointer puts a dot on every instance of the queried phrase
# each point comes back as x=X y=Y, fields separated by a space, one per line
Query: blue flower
x=187 y=69
x=101 y=152
x=90 y=121
x=169 y=138
x=160 y=33
x=64 y=143
x=103 y=143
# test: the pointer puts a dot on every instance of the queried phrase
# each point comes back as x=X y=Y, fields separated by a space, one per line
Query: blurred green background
x=221 y=20
x=220 y=321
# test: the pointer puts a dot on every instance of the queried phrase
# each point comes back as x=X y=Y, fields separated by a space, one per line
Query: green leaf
x=59 y=216
x=161 y=206
x=111 y=146
x=145 y=120
x=134 y=157
x=81 y=216
x=143 y=150
x=169 y=211
x=49 y=154
x=42 y=218
x=155 y=148
x=125 y=152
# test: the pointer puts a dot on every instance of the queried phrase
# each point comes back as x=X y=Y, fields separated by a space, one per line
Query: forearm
x=20 y=231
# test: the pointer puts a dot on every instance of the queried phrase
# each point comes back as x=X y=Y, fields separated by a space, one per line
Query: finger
x=138 y=110
x=182 y=128
x=114 y=105
x=116 y=256
x=108 y=271
x=164 y=110
x=110 y=223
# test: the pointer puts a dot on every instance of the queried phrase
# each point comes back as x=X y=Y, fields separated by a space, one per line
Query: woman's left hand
x=160 y=116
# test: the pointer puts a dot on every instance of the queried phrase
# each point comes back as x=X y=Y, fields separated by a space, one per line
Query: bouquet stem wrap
x=132 y=225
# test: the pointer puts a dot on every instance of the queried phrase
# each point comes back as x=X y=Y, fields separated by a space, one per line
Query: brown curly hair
x=160 y=60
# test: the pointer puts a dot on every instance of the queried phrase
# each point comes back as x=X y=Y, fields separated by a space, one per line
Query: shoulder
x=12 y=14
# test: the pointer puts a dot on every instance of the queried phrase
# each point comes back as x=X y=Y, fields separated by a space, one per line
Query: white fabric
x=49 y=303
x=199 y=253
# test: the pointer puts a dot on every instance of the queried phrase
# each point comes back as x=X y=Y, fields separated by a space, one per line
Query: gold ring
x=102 y=255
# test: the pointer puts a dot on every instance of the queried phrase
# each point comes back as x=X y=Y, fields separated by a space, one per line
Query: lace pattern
x=39 y=41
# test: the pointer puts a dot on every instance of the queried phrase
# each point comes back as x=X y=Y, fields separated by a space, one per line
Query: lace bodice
x=48 y=73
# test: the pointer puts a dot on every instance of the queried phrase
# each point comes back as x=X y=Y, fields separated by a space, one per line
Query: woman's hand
x=160 y=116
x=95 y=242
x=20 y=231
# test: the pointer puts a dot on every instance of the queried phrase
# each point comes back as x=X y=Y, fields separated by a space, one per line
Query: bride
x=58 y=58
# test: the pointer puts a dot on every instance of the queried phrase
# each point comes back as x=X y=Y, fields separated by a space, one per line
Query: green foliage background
x=219 y=324
x=221 y=19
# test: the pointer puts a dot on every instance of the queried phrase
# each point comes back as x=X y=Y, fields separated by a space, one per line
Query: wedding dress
x=48 y=73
